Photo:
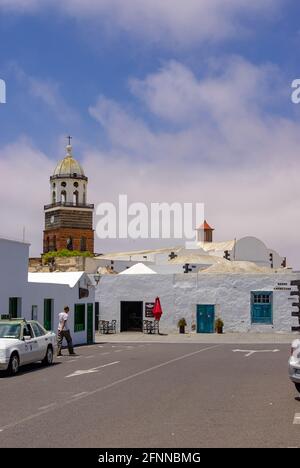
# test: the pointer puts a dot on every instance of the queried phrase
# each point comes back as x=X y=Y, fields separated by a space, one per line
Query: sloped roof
x=138 y=269
x=69 y=278
x=205 y=226
x=216 y=246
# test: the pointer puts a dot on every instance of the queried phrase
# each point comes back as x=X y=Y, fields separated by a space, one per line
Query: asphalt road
x=153 y=395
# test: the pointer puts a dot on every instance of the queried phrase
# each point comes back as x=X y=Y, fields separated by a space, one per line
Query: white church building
x=245 y=283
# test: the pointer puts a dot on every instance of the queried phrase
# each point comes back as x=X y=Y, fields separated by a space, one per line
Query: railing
x=69 y=204
x=68 y=176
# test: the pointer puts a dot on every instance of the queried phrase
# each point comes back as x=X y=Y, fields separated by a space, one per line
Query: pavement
x=154 y=395
x=251 y=337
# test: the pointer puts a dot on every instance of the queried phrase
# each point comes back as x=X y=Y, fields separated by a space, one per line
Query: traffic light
x=226 y=254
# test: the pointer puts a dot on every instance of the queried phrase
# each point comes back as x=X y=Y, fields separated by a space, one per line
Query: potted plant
x=181 y=325
x=219 y=324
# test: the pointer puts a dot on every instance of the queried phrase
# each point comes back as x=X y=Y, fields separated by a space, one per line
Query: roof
x=68 y=166
x=196 y=258
x=132 y=253
x=11 y=239
x=216 y=246
x=237 y=267
x=205 y=226
x=138 y=269
x=69 y=278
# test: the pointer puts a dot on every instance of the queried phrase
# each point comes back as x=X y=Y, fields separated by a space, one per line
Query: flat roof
x=11 y=239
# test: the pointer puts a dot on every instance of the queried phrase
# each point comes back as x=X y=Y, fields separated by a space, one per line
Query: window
x=75 y=184
x=53 y=197
x=75 y=198
x=27 y=331
x=79 y=318
x=83 y=244
x=261 y=307
x=63 y=196
x=63 y=184
x=38 y=331
x=70 y=243
x=14 y=307
x=34 y=312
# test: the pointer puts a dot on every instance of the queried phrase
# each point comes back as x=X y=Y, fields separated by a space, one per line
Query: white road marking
x=71 y=360
x=89 y=357
x=296 y=418
x=252 y=351
x=118 y=350
x=47 y=406
x=90 y=371
x=100 y=346
x=104 y=354
x=106 y=387
x=78 y=394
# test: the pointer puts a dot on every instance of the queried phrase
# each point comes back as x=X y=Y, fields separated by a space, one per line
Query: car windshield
x=10 y=330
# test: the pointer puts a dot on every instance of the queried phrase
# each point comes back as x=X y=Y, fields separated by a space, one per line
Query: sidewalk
x=231 y=338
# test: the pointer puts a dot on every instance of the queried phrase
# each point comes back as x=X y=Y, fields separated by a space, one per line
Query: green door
x=48 y=307
x=205 y=318
x=14 y=307
x=90 y=328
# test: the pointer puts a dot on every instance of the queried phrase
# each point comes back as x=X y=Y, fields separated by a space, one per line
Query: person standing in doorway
x=64 y=332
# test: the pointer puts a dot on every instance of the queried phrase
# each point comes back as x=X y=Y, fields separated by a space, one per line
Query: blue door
x=205 y=318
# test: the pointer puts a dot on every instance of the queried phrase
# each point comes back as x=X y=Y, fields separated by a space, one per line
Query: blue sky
x=189 y=101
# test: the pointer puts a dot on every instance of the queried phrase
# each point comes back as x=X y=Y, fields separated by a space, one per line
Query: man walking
x=64 y=332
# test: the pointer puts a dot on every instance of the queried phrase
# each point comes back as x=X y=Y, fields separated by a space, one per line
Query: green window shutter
x=79 y=318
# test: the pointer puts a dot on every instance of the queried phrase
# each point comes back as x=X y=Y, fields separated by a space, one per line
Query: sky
x=166 y=102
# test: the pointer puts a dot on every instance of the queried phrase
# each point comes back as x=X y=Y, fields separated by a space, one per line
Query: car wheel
x=297 y=385
x=14 y=364
x=48 y=359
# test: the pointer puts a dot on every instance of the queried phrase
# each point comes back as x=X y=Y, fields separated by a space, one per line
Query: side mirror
x=26 y=338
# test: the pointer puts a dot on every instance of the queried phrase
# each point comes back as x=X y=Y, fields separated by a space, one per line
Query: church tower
x=68 y=218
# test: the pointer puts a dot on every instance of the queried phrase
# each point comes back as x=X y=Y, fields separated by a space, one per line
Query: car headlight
x=2 y=354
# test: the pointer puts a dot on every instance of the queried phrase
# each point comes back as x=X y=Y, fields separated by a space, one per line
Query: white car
x=24 y=342
x=294 y=364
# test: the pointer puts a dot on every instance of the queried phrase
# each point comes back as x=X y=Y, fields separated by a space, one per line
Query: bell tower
x=68 y=218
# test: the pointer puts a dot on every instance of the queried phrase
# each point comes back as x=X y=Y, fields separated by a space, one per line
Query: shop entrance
x=131 y=316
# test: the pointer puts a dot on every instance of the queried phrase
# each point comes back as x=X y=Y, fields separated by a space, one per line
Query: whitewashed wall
x=14 y=283
x=62 y=296
x=13 y=271
x=179 y=295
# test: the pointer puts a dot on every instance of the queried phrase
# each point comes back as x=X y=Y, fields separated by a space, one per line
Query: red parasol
x=157 y=310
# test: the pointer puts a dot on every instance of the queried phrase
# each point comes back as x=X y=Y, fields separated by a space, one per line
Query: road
x=154 y=395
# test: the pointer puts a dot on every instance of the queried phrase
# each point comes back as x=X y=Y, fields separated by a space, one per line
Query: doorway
x=205 y=318
x=132 y=316
x=90 y=323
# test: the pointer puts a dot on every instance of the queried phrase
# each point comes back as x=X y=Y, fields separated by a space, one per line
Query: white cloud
x=48 y=92
x=166 y=22
x=240 y=161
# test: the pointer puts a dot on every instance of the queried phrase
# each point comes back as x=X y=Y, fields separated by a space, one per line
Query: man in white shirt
x=64 y=332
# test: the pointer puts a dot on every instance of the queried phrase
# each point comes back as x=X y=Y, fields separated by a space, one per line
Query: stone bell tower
x=68 y=218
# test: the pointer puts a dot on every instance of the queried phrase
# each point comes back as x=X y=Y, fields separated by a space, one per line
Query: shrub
x=65 y=253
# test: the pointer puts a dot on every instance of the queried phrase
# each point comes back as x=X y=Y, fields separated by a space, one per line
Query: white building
x=41 y=296
x=246 y=301
x=242 y=281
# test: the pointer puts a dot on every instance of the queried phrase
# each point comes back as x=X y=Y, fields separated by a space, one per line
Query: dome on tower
x=68 y=166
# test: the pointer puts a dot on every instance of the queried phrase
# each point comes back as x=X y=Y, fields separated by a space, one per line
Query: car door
x=42 y=340
x=30 y=345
